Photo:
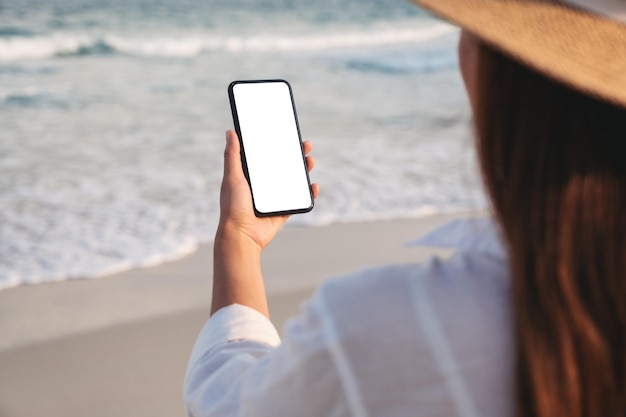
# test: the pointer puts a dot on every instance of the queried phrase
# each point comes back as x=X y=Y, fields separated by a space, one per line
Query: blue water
x=112 y=116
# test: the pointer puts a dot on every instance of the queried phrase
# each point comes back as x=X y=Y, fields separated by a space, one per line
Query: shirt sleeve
x=239 y=367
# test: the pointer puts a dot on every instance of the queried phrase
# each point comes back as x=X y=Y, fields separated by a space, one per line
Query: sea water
x=112 y=120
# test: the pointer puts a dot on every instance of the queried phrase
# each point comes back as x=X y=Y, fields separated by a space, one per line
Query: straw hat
x=581 y=43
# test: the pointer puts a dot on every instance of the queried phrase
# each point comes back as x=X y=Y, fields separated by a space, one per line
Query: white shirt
x=404 y=340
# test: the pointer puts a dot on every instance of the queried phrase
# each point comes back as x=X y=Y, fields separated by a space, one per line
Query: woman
x=540 y=332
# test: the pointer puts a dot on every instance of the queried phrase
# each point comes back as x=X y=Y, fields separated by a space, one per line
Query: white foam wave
x=62 y=227
x=52 y=230
x=22 y=48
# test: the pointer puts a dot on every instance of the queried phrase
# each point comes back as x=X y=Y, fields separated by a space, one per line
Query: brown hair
x=554 y=164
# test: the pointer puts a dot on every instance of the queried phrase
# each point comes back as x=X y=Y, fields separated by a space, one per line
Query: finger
x=307 y=146
x=310 y=163
x=315 y=189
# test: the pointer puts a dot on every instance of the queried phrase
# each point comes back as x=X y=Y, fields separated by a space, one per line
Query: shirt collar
x=479 y=235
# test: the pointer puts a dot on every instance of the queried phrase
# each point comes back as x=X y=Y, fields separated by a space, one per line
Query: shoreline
x=34 y=313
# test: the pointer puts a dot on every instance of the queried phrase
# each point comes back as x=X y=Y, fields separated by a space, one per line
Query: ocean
x=113 y=112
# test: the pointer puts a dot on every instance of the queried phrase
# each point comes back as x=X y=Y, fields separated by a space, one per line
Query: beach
x=113 y=117
x=118 y=346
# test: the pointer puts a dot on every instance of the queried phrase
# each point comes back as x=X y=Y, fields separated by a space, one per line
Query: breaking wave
x=36 y=47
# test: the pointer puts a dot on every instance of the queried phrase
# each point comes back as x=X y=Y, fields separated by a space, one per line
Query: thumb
x=232 y=156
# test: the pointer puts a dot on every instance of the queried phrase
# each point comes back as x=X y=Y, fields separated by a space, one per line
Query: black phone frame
x=233 y=109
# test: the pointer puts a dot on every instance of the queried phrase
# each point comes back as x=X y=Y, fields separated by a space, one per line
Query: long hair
x=554 y=164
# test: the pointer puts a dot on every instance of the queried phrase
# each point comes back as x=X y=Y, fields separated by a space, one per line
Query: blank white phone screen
x=272 y=148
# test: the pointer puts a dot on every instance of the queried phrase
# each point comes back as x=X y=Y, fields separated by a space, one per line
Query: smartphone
x=273 y=159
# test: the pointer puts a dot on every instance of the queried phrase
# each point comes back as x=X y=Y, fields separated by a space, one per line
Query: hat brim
x=583 y=50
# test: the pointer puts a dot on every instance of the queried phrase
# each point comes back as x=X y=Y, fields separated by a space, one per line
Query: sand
x=118 y=346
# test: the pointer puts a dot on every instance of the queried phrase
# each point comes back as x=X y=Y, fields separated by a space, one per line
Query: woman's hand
x=237 y=216
x=241 y=236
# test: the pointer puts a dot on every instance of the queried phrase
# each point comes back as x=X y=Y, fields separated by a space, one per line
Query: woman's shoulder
x=469 y=290
x=466 y=293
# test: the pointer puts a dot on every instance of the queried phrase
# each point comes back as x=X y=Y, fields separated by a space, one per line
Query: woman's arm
x=241 y=236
